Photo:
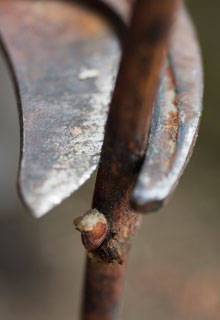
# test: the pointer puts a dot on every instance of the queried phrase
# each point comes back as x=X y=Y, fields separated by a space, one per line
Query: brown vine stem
x=108 y=229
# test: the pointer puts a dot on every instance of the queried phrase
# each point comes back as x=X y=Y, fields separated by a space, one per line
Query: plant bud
x=93 y=227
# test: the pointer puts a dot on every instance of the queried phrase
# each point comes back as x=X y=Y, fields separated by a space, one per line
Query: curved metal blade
x=65 y=59
x=175 y=120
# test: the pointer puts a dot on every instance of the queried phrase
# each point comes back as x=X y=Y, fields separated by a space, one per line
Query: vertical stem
x=102 y=290
x=122 y=155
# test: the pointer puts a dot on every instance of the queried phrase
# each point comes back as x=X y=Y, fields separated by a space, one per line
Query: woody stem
x=123 y=152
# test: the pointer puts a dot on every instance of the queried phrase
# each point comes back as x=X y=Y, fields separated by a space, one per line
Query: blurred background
x=174 y=269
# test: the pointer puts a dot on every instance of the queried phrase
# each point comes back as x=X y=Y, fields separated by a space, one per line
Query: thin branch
x=108 y=236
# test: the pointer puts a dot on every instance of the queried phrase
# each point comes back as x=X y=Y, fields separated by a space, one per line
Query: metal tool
x=64 y=58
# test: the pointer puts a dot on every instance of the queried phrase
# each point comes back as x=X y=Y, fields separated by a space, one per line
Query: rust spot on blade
x=75 y=132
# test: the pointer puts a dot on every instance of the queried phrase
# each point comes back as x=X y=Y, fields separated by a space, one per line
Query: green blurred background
x=174 y=269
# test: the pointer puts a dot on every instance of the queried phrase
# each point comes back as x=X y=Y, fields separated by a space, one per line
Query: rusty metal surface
x=65 y=59
x=175 y=121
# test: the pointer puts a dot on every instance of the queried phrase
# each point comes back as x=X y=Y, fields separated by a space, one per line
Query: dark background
x=174 y=270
